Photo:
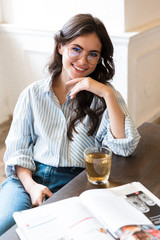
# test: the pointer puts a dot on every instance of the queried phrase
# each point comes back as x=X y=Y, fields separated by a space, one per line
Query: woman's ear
x=60 y=48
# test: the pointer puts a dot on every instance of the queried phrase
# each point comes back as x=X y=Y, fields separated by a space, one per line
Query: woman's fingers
x=80 y=85
x=73 y=81
x=47 y=192
x=77 y=88
x=38 y=193
x=87 y=84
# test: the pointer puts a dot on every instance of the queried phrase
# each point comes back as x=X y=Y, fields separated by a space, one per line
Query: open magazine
x=126 y=212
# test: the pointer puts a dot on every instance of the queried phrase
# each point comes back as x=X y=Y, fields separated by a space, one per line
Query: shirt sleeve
x=104 y=137
x=19 y=142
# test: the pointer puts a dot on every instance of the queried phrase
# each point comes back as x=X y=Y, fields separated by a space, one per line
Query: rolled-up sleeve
x=19 y=142
x=124 y=146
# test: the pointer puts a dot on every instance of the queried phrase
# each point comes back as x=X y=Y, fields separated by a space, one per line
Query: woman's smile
x=79 y=68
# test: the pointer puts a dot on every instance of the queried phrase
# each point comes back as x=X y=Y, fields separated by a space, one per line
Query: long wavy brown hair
x=78 y=25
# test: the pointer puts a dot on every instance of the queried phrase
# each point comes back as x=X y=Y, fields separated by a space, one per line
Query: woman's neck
x=60 y=82
x=60 y=89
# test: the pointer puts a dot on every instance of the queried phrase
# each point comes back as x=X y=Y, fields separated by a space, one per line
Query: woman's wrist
x=108 y=94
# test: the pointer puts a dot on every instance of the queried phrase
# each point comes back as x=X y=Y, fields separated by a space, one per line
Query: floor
x=4 y=128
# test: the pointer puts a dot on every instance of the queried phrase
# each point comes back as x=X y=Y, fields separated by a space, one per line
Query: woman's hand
x=117 y=118
x=37 y=193
x=87 y=84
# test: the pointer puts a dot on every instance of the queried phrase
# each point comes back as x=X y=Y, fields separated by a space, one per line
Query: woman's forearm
x=25 y=175
x=36 y=191
x=117 y=117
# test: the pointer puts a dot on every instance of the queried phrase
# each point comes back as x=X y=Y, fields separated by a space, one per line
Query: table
x=142 y=166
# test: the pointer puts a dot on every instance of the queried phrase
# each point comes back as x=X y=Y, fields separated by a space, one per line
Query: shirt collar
x=47 y=87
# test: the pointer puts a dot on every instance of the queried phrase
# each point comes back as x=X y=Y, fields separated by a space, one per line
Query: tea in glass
x=98 y=164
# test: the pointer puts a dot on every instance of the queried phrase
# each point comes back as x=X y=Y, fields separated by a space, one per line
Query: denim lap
x=54 y=178
x=13 y=196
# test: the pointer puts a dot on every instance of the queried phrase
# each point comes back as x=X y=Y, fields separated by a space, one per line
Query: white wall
x=144 y=75
x=25 y=54
x=118 y=15
x=4 y=107
x=51 y=16
x=0 y=11
x=141 y=12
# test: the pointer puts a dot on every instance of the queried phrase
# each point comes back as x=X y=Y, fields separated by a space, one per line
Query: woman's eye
x=76 y=49
x=94 y=54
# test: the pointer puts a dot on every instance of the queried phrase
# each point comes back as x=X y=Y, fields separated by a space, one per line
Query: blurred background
x=26 y=43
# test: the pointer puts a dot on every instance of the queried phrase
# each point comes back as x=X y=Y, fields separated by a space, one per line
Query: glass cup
x=98 y=164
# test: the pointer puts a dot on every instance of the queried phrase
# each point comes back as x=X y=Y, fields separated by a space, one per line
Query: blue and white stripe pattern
x=39 y=131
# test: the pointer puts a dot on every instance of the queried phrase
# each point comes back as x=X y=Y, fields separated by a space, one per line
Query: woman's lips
x=79 y=68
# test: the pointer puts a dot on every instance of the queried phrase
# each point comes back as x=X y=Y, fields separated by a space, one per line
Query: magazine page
x=94 y=215
x=113 y=210
x=138 y=232
x=132 y=187
x=67 y=219
x=142 y=199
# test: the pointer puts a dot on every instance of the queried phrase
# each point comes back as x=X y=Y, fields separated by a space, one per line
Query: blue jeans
x=13 y=196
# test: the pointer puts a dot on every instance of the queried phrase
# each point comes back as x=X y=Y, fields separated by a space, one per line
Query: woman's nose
x=83 y=59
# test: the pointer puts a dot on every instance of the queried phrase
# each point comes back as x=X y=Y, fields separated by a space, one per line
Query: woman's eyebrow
x=77 y=45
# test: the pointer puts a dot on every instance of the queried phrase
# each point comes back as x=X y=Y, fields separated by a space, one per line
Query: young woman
x=57 y=118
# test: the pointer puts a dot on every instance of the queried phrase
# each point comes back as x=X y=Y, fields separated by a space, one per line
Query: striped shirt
x=39 y=131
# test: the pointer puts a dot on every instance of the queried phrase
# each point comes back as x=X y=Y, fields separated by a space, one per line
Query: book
x=128 y=212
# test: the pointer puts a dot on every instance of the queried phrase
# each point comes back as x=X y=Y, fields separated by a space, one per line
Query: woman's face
x=90 y=45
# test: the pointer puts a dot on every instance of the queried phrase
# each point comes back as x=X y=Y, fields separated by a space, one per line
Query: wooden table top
x=142 y=166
